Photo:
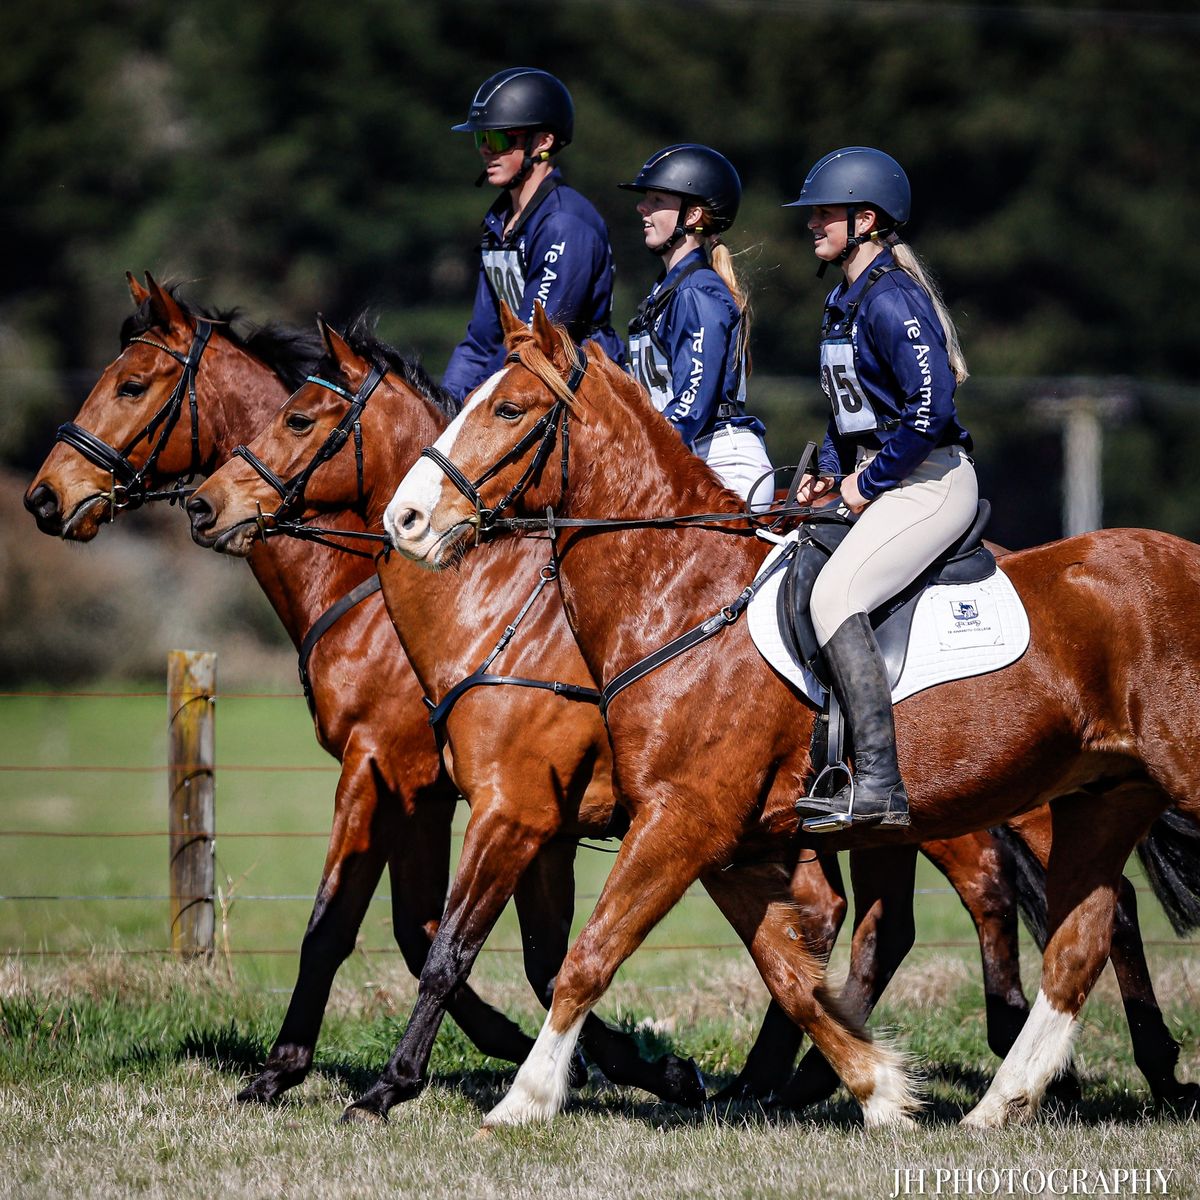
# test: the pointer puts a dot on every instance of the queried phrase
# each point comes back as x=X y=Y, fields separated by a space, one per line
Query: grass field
x=117 y=1069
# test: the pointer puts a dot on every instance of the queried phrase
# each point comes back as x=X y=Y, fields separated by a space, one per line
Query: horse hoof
x=356 y=1115
x=484 y=1133
x=259 y=1091
x=684 y=1085
x=1183 y=1102
x=1066 y=1089
x=579 y=1070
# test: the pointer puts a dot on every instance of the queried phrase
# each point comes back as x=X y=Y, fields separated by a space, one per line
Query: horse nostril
x=409 y=519
x=201 y=513
x=42 y=502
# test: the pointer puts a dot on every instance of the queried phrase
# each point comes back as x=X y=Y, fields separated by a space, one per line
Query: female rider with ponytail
x=688 y=342
x=542 y=241
x=890 y=363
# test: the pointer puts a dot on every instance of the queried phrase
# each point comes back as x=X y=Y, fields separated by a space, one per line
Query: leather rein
x=555 y=420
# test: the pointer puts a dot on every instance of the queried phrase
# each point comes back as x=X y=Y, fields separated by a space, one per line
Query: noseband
x=291 y=491
x=129 y=488
x=542 y=432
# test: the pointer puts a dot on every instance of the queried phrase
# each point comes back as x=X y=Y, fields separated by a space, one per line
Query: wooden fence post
x=191 y=688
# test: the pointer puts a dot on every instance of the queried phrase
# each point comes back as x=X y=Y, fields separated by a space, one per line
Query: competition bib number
x=506 y=275
x=852 y=410
x=649 y=368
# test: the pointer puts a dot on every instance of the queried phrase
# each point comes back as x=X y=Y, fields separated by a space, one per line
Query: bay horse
x=1098 y=719
x=394 y=802
x=146 y=423
x=398 y=412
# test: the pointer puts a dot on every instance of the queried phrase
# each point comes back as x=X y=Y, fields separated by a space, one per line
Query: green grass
x=117 y=1079
x=117 y=1070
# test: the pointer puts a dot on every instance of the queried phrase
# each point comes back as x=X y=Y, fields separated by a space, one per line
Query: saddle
x=966 y=561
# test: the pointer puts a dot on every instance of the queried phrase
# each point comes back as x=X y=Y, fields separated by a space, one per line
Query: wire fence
x=49 y=944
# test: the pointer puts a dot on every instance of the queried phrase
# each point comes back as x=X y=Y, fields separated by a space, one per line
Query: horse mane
x=524 y=344
x=692 y=476
x=361 y=338
x=290 y=353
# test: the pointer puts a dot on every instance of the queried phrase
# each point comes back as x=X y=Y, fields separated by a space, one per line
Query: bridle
x=129 y=488
x=550 y=425
x=291 y=491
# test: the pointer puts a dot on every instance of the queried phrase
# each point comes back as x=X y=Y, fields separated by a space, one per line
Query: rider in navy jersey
x=894 y=448
x=542 y=241
x=688 y=342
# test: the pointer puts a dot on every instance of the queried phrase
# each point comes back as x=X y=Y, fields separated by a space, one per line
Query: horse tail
x=1030 y=878
x=1170 y=854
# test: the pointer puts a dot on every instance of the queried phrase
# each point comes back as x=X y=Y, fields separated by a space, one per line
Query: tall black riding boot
x=860 y=681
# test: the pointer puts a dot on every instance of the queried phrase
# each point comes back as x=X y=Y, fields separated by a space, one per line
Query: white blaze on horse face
x=407 y=519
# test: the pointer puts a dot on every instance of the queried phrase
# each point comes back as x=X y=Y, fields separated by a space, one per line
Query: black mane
x=361 y=338
x=290 y=353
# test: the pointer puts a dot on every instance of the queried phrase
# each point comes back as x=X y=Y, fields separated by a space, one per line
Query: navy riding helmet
x=859 y=177
x=522 y=98
x=694 y=173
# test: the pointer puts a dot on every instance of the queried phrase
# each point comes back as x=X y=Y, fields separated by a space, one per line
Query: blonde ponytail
x=907 y=259
x=721 y=261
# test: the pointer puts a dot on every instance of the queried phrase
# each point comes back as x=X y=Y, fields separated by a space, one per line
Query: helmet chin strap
x=677 y=234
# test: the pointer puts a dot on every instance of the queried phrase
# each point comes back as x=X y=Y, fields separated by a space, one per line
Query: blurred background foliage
x=295 y=157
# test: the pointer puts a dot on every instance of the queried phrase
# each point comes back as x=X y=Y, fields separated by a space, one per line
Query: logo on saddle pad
x=958 y=630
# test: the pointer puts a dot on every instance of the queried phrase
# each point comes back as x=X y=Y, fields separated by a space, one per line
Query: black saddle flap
x=966 y=561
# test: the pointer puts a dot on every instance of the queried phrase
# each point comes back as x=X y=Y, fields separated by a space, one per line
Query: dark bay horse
x=395 y=416
x=394 y=801
x=1098 y=719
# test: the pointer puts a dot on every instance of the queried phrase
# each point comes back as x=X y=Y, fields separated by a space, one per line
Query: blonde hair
x=721 y=261
x=908 y=260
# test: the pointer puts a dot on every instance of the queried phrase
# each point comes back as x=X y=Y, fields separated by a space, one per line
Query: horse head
x=504 y=440
x=133 y=429
x=326 y=449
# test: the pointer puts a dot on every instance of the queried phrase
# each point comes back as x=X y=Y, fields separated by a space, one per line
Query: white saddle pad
x=958 y=630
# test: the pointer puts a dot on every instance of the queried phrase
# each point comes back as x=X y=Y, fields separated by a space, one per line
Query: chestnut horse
x=394 y=801
x=1098 y=719
x=225 y=513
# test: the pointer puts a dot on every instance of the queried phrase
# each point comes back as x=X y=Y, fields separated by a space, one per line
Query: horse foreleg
x=661 y=856
x=498 y=846
x=757 y=901
x=1091 y=838
x=817 y=887
x=420 y=874
x=545 y=899
x=362 y=831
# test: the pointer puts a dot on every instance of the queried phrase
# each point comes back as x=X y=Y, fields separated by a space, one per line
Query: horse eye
x=131 y=387
x=509 y=412
x=299 y=423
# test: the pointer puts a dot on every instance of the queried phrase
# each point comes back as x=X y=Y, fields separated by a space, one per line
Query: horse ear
x=510 y=323
x=167 y=313
x=335 y=343
x=543 y=331
x=140 y=294
x=547 y=337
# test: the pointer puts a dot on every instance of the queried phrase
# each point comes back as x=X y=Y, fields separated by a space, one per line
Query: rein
x=131 y=491
x=488 y=523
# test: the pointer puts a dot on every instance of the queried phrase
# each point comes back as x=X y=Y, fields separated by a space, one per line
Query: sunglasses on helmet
x=498 y=141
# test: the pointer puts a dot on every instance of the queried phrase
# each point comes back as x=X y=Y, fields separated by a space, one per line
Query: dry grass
x=124 y=1087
